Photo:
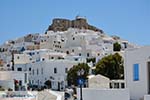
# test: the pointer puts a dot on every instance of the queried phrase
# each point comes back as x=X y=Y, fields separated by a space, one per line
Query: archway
x=48 y=84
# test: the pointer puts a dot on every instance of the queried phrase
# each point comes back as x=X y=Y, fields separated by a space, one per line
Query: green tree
x=72 y=76
x=116 y=46
x=111 y=66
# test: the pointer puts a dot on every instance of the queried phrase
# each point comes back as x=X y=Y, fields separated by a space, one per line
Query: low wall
x=7 y=84
x=104 y=94
x=19 y=95
x=146 y=97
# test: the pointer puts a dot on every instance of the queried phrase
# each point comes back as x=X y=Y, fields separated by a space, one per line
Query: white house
x=53 y=70
x=22 y=58
x=44 y=65
x=78 y=42
x=8 y=79
x=137 y=72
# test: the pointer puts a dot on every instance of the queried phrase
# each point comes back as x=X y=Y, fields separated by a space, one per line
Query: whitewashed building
x=44 y=65
x=137 y=72
x=8 y=78
x=81 y=42
x=54 y=70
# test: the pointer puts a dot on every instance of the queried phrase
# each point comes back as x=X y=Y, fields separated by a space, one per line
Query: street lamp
x=80 y=73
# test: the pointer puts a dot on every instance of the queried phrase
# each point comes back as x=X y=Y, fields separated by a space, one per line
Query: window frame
x=136 y=72
x=55 y=70
x=19 y=69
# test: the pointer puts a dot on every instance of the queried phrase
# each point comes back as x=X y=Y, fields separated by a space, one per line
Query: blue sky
x=129 y=19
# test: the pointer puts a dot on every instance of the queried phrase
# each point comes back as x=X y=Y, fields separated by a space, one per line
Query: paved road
x=45 y=95
x=59 y=95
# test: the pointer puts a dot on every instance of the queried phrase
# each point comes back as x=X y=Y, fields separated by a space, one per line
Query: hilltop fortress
x=60 y=24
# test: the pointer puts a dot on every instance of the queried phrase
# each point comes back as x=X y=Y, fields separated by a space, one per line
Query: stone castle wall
x=59 y=24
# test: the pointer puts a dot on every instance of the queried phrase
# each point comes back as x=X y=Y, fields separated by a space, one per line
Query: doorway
x=148 y=77
x=58 y=86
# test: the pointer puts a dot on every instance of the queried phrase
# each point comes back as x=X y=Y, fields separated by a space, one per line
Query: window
x=33 y=72
x=76 y=59
x=122 y=85
x=19 y=69
x=110 y=85
x=30 y=54
x=18 y=57
x=32 y=81
x=8 y=65
x=66 y=70
x=25 y=78
x=62 y=40
x=60 y=58
x=43 y=59
x=30 y=59
x=116 y=85
x=55 y=70
x=67 y=52
x=72 y=50
x=20 y=83
x=38 y=82
x=125 y=45
x=42 y=71
x=37 y=71
x=29 y=69
x=38 y=59
x=135 y=72
x=79 y=54
x=88 y=54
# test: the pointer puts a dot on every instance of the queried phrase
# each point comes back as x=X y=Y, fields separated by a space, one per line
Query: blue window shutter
x=136 y=72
